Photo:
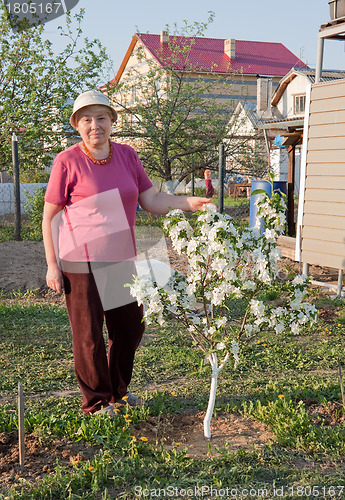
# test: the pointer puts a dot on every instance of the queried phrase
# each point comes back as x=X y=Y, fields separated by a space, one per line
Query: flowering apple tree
x=226 y=263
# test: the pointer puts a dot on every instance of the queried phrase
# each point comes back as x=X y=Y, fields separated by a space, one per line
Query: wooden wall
x=323 y=222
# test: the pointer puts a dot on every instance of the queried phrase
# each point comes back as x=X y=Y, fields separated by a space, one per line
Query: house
x=321 y=209
x=245 y=126
x=289 y=101
x=238 y=62
x=288 y=106
x=281 y=122
x=278 y=124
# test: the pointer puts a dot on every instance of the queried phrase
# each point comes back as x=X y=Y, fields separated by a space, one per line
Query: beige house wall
x=323 y=205
x=297 y=86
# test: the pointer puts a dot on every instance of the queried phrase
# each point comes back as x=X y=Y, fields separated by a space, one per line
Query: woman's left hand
x=161 y=203
x=197 y=202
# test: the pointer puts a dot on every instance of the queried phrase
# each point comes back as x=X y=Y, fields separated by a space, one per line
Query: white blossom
x=299 y=280
x=270 y=234
x=294 y=328
x=249 y=285
x=299 y=294
x=192 y=246
x=174 y=213
x=220 y=346
x=225 y=262
x=280 y=327
x=251 y=329
x=257 y=307
x=221 y=322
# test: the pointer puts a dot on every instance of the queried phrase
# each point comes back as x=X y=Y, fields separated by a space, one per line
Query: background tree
x=170 y=111
x=249 y=158
x=37 y=87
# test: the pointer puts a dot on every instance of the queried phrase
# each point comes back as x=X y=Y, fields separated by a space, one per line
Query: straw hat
x=90 y=98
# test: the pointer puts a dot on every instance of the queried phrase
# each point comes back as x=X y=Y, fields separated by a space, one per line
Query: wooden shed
x=321 y=213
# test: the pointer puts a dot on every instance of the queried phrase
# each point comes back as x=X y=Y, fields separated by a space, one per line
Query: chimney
x=164 y=37
x=263 y=95
x=229 y=47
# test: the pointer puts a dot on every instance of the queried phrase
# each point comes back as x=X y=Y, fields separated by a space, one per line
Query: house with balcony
x=274 y=126
x=288 y=107
x=276 y=119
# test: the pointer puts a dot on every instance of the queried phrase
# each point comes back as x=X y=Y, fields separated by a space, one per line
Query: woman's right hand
x=54 y=278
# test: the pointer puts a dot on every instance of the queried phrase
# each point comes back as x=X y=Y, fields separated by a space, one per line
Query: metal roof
x=250 y=110
x=284 y=123
x=326 y=76
x=207 y=54
x=308 y=74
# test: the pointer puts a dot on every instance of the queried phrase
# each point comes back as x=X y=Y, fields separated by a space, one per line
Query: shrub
x=34 y=209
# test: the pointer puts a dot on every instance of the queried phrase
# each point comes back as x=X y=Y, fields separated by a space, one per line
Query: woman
x=88 y=234
x=208 y=183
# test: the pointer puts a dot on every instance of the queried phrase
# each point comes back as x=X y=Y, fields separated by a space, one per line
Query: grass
x=7 y=231
x=277 y=378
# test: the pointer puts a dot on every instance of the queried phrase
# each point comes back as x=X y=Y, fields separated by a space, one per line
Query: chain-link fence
x=7 y=196
x=238 y=210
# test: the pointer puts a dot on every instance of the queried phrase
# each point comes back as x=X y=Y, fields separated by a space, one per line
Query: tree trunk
x=212 y=398
x=170 y=186
x=213 y=360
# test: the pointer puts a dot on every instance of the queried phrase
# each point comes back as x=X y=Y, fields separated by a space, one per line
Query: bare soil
x=229 y=432
x=41 y=457
x=22 y=267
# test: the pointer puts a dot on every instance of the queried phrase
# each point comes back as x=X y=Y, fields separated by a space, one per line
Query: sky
x=295 y=24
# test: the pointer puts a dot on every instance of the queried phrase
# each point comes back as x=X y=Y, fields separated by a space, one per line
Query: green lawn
x=279 y=381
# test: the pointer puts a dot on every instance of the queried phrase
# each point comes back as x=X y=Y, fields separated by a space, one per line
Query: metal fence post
x=16 y=187
x=193 y=184
x=221 y=165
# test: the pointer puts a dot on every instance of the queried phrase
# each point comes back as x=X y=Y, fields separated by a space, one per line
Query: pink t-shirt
x=100 y=203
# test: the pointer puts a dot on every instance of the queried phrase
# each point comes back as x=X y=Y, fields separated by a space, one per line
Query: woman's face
x=94 y=125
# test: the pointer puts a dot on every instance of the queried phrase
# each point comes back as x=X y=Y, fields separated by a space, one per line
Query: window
x=299 y=104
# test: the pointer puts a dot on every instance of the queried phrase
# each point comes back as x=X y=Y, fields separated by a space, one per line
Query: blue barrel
x=267 y=187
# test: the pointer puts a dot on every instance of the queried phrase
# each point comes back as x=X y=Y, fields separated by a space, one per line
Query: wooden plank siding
x=319 y=221
x=323 y=222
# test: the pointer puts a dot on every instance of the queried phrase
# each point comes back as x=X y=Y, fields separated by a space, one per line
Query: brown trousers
x=103 y=377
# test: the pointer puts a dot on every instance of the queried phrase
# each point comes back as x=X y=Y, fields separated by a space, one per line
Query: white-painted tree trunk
x=213 y=360
x=170 y=186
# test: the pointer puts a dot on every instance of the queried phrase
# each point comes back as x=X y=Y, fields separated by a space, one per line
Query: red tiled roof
x=254 y=58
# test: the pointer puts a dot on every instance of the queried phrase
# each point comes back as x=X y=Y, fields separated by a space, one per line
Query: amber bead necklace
x=99 y=162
